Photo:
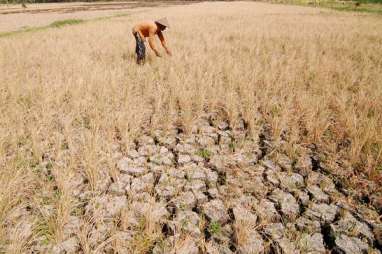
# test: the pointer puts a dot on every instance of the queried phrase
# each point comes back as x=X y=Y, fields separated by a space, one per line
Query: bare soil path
x=14 y=17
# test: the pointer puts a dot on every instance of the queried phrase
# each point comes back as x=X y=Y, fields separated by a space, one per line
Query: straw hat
x=163 y=22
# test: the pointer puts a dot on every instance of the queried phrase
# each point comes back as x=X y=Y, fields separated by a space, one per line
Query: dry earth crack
x=214 y=190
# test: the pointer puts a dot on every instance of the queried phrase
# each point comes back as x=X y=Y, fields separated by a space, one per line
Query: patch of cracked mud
x=215 y=190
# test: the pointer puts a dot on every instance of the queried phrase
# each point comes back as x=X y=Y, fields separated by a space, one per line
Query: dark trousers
x=140 y=48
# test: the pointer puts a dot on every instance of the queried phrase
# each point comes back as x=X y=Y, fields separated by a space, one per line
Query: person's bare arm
x=163 y=42
x=152 y=43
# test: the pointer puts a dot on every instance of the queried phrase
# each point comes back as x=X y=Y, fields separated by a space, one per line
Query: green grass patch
x=214 y=228
x=56 y=24
x=370 y=6
x=66 y=22
x=232 y=146
x=370 y=1
x=204 y=153
x=350 y=6
x=24 y=30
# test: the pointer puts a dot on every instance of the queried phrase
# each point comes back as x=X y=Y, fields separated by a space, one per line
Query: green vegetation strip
x=369 y=6
x=66 y=22
x=58 y=24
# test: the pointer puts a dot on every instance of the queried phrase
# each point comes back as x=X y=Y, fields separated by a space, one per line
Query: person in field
x=148 y=29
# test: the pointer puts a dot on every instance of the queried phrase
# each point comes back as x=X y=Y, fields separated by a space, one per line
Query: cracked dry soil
x=217 y=191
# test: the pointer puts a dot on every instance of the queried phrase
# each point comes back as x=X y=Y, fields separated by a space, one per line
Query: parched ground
x=214 y=190
x=261 y=134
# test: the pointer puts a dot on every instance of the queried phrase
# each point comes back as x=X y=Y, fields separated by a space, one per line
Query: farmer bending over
x=149 y=29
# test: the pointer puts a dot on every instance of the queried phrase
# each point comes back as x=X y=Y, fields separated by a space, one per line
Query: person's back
x=145 y=28
x=148 y=29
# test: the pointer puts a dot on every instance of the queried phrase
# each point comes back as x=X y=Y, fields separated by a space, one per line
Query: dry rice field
x=78 y=118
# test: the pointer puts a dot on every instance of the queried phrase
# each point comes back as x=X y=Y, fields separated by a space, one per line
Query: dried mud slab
x=213 y=190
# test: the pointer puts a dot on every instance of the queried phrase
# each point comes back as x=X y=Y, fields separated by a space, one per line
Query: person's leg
x=136 y=36
x=140 y=49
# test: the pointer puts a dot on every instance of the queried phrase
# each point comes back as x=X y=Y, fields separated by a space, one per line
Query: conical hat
x=163 y=22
